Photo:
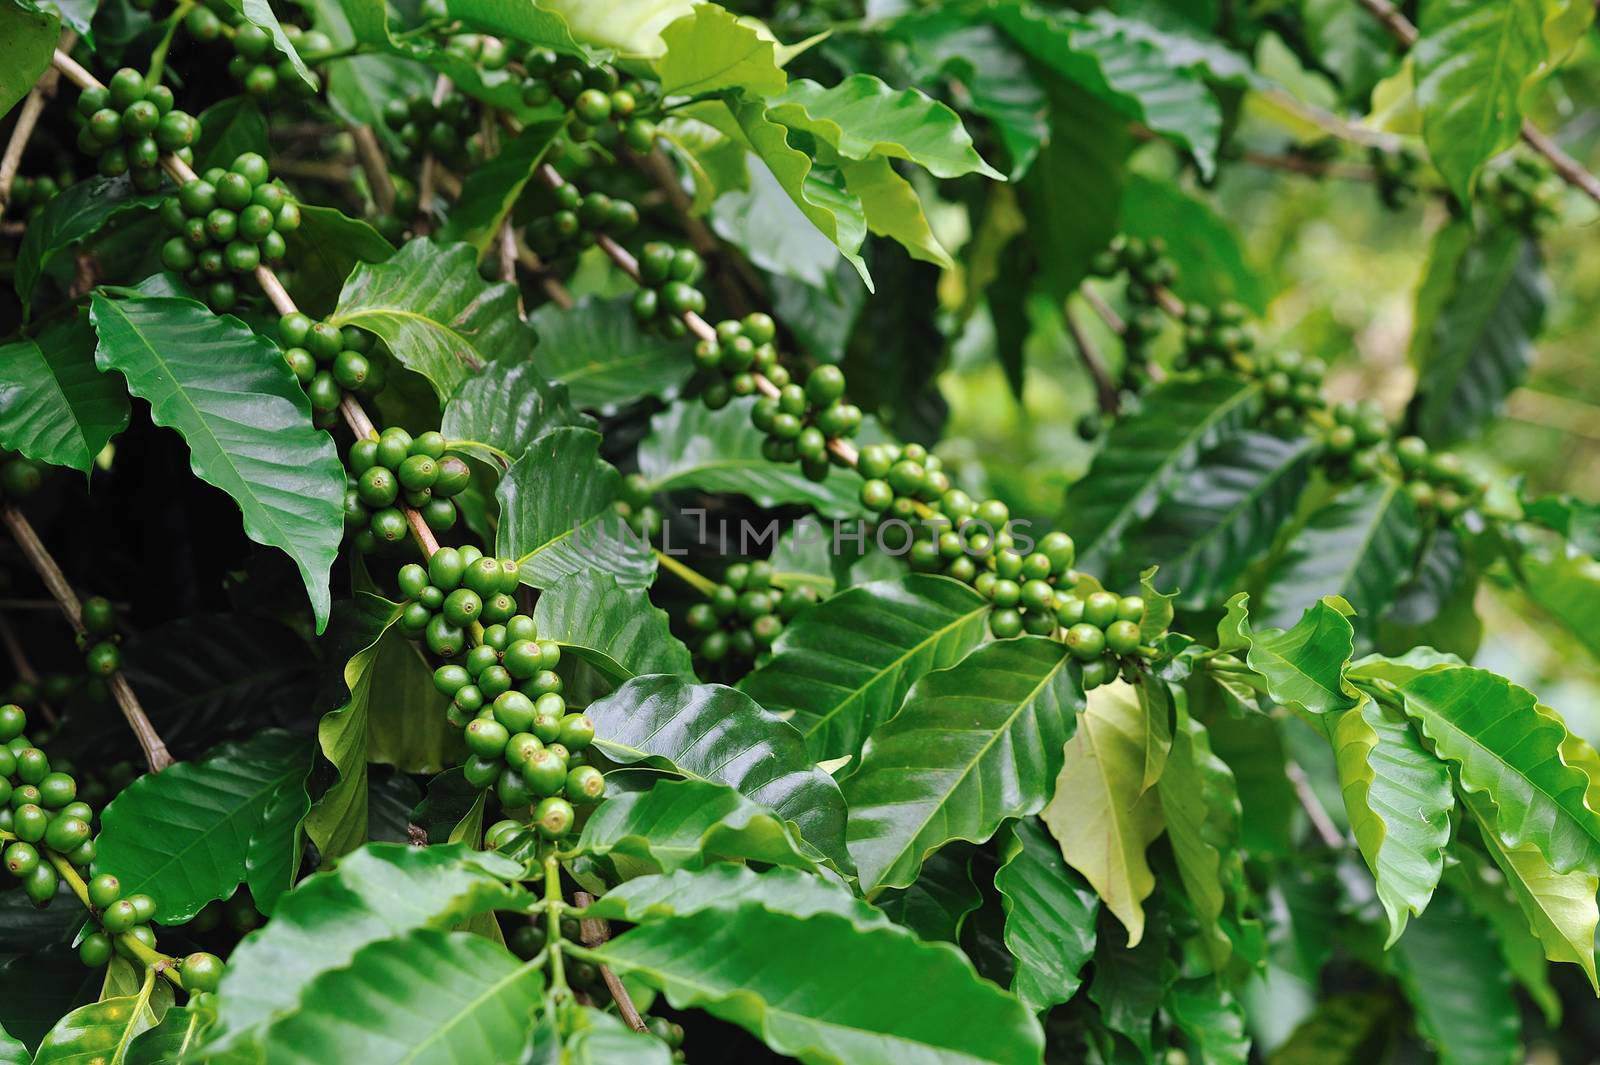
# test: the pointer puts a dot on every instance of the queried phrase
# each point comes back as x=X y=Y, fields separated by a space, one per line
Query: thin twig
x=1296 y=164
x=1105 y=389
x=595 y=931
x=156 y=755
x=1326 y=829
x=507 y=246
x=24 y=668
x=1572 y=172
x=375 y=166
x=441 y=89
x=27 y=120
x=1103 y=310
x=549 y=282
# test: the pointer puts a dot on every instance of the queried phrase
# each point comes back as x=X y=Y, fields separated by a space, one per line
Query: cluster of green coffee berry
x=20 y=477
x=398 y=468
x=29 y=195
x=729 y=364
x=1102 y=629
x=1212 y=340
x=666 y=288
x=800 y=423
x=447 y=130
x=1149 y=268
x=459 y=587
x=903 y=481
x=1291 y=385
x=225 y=224
x=635 y=508
x=127 y=125
x=1524 y=193
x=743 y=616
x=330 y=361
x=576 y=219
x=1437 y=481
x=100 y=637
x=267 y=73
x=1358 y=441
x=1021 y=587
x=594 y=94
x=485 y=50
x=1395 y=175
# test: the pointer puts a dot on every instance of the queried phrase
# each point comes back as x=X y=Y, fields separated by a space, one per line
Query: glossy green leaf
x=892 y=208
x=1361 y=547
x=710 y=50
x=76 y=213
x=55 y=405
x=1473 y=61
x=40 y=986
x=1565 y=587
x=180 y=1031
x=507 y=408
x=435 y=313
x=842 y=669
x=1398 y=798
x=260 y=13
x=617 y=630
x=1506 y=749
x=1208 y=250
x=861 y=117
x=606 y=361
x=491 y=190
x=1451 y=971
x=777 y=977
x=1050 y=917
x=27 y=41
x=393 y=715
x=380 y=892
x=1129 y=983
x=245 y=418
x=709 y=732
x=1100 y=813
x=973 y=746
x=327 y=246
x=691 y=446
x=1212 y=1023
x=556 y=516
x=937 y=904
x=228 y=129
x=98 y=1032
x=193 y=832
x=603 y=1039
x=1224 y=514
x=726 y=886
x=1480 y=343
x=12 y=1051
x=429 y=998
x=1146 y=452
x=1302 y=666
x=689 y=824
x=1200 y=805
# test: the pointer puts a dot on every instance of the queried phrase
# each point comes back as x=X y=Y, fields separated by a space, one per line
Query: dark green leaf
x=617 y=630
x=36 y=989
x=507 y=408
x=326 y=247
x=192 y=833
x=598 y=351
x=74 y=214
x=97 y=1032
x=1146 y=452
x=777 y=977
x=491 y=190
x=358 y=86
x=937 y=904
x=245 y=418
x=1451 y=970
x=1347 y=1029
x=1050 y=917
x=973 y=746
x=180 y=1030
x=725 y=886
x=55 y=404
x=1212 y=1022
x=27 y=41
x=228 y=129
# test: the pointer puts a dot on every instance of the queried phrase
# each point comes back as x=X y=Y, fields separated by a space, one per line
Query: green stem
x=554 y=905
x=704 y=585
x=158 y=58
x=148 y=956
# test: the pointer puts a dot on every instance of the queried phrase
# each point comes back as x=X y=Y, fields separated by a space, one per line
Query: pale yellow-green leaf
x=632 y=27
x=709 y=50
x=893 y=209
x=1394 y=103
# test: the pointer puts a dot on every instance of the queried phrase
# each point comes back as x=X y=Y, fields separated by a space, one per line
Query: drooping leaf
x=1302 y=666
x=380 y=892
x=709 y=50
x=428 y=997
x=192 y=833
x=937 y=904
x=228 y=129
x=1451 y=971
x=711 y=732
x=606 y=361
x=100 y=1031
x=1398 y=798
x=1050 y=917
x=259 y=13
x=861 y=117
x=1480 y=343
x=757 y=217
x=491 y=190
x=507 y=408
x=437 y=316
x=617 y=630
x=74 y=214
x=892 y=208
x=1360 y=547
x=1223 y=515
x=693 y=447
x=1144 y=455
x=179 y=1031
x=1200 y=806
x=1473 y=61
x=1212 y=1023
x=776 y=976
x=726 y=886
x=27 y=41
x=973 y=746
x=556 y=516
x=1508 y=751
x=843 y=668
x=327 y=246
x=55 y=405
x=246 y=420
x=1100 y=813
x=1129 y=983
x=689 y=824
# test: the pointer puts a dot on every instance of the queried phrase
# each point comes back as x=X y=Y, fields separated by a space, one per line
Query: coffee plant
x=498 y=570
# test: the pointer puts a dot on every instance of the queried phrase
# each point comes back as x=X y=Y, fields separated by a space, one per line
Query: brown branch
x=1103 y=310
x=1325 y=828
x=425 y=180
x=27 y=120
x=552 y=285
x=506 y=246
x=595 y=931
x=155 y=751
x=1105 y=389
x=24 y=668
x=375 y=166
x=1295 y=164
x=1572 y=172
